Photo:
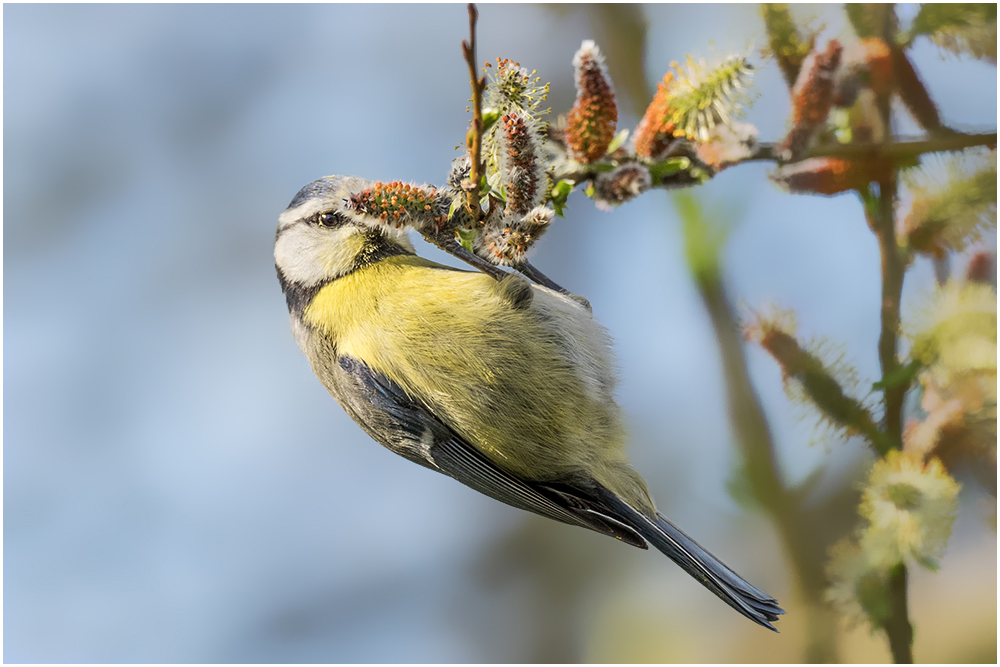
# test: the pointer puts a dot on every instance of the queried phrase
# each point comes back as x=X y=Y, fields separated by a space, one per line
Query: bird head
x=319 y=240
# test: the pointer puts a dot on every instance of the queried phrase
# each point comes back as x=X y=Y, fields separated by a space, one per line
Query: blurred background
x=178 y=487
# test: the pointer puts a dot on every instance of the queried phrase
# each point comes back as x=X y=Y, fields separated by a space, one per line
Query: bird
x=504 y=385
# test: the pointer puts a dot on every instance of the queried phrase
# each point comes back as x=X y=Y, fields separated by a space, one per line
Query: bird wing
x=405 y=426
x=408 y=428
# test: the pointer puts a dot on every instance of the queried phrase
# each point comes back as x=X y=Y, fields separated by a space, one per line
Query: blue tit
x=504 y=385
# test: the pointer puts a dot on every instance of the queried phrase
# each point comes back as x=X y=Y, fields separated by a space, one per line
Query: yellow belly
x=531 y=388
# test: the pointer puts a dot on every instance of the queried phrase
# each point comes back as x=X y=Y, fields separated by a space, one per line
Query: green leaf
x=466 y=237
x=700 y=174
x=840 y=120
x=618 y=141
x=560 y=193
x=901 y=376
x=668 y=167
x=702 y=240
x=870 y=201
x=562 y=189
x=490 y=184
x=490 y=116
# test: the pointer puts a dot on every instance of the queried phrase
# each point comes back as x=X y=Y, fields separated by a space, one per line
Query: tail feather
x=730 y=587
x=712 y=573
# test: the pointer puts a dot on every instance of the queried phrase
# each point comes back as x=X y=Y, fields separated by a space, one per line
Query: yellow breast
x=530 y=387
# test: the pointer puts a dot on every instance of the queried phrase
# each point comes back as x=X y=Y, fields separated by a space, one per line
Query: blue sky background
x=178 y=486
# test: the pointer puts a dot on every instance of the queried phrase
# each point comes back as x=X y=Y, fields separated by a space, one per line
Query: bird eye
x=328 y=219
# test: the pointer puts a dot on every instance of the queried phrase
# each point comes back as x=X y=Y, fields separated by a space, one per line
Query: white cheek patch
x=309 y=255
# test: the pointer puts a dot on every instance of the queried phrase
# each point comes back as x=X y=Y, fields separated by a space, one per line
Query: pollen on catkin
x=955 y=334
x=727 y=145
x=623 y=183
x=458 y=175
x=513 y=88
x=521 y=169
x=656 y=129
x=910 y=505
x=954 y=201
x=398 y=205
x=691 y=101
x=807 y=377
x=505 y=240
x=590 y=124
x=514 y=147
x=858 y=590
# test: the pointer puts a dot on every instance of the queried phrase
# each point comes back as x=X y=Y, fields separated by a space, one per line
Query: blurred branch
x=753 y=434
x=881 y=218
x=622 y=30
x=900 y=149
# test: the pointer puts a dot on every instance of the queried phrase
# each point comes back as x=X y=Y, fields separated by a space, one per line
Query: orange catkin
x=830 y=176
x=521 y=165
x=590 y=124
x=655 y=130
x=812 y=98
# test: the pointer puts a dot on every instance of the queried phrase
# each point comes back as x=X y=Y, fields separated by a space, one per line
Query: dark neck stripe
x=297 y=295
x=377 y=247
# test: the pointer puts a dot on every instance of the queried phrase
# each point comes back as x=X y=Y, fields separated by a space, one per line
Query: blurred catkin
x=785 y=42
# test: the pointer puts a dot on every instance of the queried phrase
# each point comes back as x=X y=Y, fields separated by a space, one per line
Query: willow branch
x=754 y=439
x=883 y=224
x=881 y=215
x=752 y=433
x=474 y=139
x=456 y=249
x=537 y=276
x=900 y=149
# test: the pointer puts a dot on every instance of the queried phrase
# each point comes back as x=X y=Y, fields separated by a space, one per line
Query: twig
x=534 y=274
x=898 y=629
x=753 y=435
x=883 y=224
x=900 y=149
x=456 y=249
x=474 y=139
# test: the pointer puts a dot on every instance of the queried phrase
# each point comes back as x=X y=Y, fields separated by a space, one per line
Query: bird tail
x=713 y=574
